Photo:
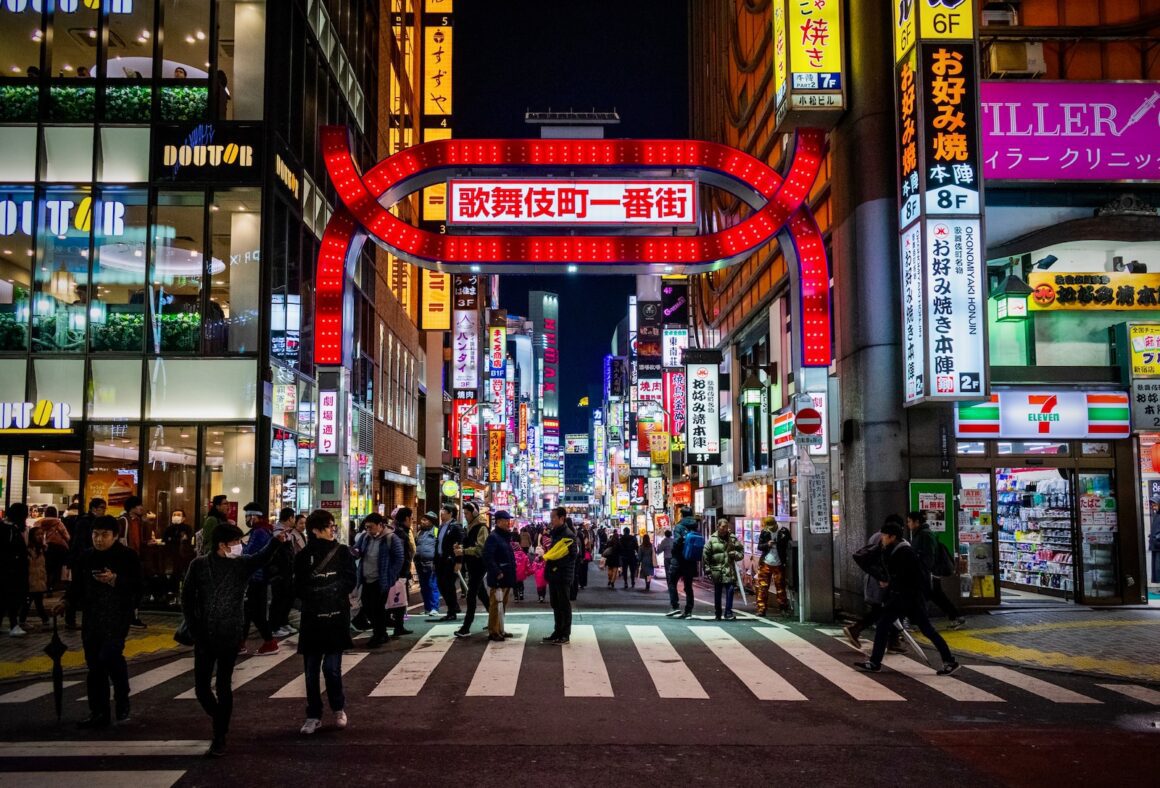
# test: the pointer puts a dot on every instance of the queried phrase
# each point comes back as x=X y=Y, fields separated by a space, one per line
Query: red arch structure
x=779 y=206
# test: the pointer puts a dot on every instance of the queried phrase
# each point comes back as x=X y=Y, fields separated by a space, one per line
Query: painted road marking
x=249 y=670
x=947 y=685
x=857 y=685
x=585 y=674
x=760 y=679
x=412 y=671
x=100 y=749
x=669 y=674
x=499 y=668
x=93 y=779
x=1135 y=691
x=297 y=687
x=1044 y=689
x=32 y=692
x=151 y=678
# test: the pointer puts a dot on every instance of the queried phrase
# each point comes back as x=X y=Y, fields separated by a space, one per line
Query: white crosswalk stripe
x=585 y=674
x=250 y=669
x=857 y=685
x=1044 y=689
x=93 y=779
x=499 y=669
x=1135 y=691
x=671 y=677
x=33 y=691
x=297 y=686
x=152 y=678
x=947 y=685
x=763 y=681
x=417 y=665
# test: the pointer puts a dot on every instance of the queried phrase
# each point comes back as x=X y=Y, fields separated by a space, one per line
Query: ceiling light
x=189 y=39
x=573 y=269
x=200 y=35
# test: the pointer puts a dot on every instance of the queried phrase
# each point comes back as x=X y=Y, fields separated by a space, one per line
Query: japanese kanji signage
x=328 y=421
x=941 y=249
x=1093 y=291
x=649 y=341
x=674 y=342
x=1071 y=131
x=675 y=402
x=435 y=103
x=780 y=55
x=1144 y=339
x=436 y=301
x=464 y=425
x=703 y=435
x=1146 y=404
x=508 y=201
x=496 y=464
x=815 y=53
x=437 y=70
x=465 y=350
x=497 y=351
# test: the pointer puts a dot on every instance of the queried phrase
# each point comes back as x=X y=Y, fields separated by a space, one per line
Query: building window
x=17 y=233
x=131 y=43
x=171 y=472
x=12 y=374
x=113 y=460
x=115 y=389
x=68 y=152
x=186 y=40
x=232 y=322
x=124 y=155
x=241 y=78
x=174 y=291
x=229 y=464
x=17 y=152
x=21 y=36
x=61 y=271
x=116 y=293
x=177 y=389
x=74 y=40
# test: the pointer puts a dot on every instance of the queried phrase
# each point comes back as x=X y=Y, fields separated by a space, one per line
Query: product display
x=1035 y=529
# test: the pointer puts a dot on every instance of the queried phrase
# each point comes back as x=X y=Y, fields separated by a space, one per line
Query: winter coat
x=777 y=540
x=213 y=593
x=908 y=584
x=450 y=534
x=390 y=562
x=629 y=547
x=13 y=560
x=499 y=560
x=325 y=595
x=260 y=536
x=55 y=534
x=473 y=542
x=539 y=569
x=647 y=559
x=926 y=548
x=404 y=535
x=37 y=574
x=425 y=546
x=684 y=526
x=523 y=564
x=720 y=556
x=108 y=609
x=563 y=570
x=870 y=559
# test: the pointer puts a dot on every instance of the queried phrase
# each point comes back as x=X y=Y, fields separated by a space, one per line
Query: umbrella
x=55 y=650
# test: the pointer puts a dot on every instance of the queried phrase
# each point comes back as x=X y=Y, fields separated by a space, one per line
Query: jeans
x=105 y=660
x=729 y=589
x=446 y=579
x=496 y=598
x=427 y=587
x=331 y=667
x=372 y=608
x=256 y=610
x=561 y=607
x=896 y=609
x=682 y=571
x=220 y=705
x=474 y=591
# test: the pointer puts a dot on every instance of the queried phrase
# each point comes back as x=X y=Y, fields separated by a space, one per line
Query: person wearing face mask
x=178 y=541
x=258 y=594
x=212 y=601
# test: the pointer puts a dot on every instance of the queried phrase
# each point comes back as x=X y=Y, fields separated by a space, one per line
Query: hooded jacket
x=720 y=556
x=323 y=582
x=390 y=560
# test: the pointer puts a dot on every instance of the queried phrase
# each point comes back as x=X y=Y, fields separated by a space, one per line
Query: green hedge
x=128 y=103
x=182 y=103
x=72 y=105
x=18 y=103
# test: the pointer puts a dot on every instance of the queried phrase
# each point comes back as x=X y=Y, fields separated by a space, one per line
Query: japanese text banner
x=562 y=202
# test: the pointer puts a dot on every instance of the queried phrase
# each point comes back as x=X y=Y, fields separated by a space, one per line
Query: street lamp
x=1011 y=300
x=751 y=390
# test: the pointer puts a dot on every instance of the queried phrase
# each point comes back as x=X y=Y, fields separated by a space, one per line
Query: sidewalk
x=24 y=657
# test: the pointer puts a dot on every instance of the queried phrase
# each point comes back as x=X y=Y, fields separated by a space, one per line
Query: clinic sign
x=553 y=201
x=1070 y=131
x=940 y=199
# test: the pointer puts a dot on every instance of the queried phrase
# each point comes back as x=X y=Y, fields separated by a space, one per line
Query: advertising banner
x=435 y=309
x=913 y=333
x=815 y=54
x=496 y=458
x=1046 y=415
x=465 y=350
x=1097 y=291
x=576 y=443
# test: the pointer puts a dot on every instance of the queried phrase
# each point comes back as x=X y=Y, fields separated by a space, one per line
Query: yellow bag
x=558 y=550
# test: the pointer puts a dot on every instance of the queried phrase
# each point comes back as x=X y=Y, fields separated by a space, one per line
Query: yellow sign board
x=946 y=19
x=35 y=418
x=495 y=456
x=658 y=448
x=1144 y=339
x=905 y=28
x=437 y=70
x=780 y=52
x=435 y=197
x=815 y=44
x=436 y=306
x=1093 y=291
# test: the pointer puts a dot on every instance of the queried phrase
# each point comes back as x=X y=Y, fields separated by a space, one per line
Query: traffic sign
x=808 y=421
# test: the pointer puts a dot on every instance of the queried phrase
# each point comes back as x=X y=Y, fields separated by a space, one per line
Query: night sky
x=520 y=55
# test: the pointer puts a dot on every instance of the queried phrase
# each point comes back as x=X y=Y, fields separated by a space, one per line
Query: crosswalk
x=696 y=661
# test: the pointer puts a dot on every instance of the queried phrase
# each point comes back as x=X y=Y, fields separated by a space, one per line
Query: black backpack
x=944 y=562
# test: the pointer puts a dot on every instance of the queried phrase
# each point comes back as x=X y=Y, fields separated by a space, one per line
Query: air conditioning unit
x=1017 y=59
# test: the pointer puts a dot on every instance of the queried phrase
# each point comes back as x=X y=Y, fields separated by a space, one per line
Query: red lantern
x=1156 y=456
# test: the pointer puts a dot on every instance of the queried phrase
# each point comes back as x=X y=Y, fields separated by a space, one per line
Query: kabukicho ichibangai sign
x=624 y=240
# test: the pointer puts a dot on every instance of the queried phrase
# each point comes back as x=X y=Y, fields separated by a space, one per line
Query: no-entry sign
x=808 y=421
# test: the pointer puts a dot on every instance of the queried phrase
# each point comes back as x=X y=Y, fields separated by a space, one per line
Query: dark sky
x=519 y=55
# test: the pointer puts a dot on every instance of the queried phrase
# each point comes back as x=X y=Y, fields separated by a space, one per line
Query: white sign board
x=913 y=338
x=674 y=342
x=703 y=436
x=328 y=422
x=956 y=309
x=556 y=201
x=576 y=443
x=465 y=350
x=819 y=499
x=1146 y=404
x=656 y=492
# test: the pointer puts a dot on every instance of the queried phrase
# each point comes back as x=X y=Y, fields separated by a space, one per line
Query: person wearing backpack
x=721 y=556
x=471 y=553
x=688 y=547
x=936 y=563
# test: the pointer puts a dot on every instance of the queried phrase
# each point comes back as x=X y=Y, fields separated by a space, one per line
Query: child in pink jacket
x=538 y=569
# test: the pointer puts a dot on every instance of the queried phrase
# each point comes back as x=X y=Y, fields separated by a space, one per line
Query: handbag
x=182 y=634
x=397 y=595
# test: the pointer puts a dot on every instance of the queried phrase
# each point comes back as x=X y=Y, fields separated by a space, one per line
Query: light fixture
x=179 y=490
x=475 y=269
x=235 y=490
x=1046 y=262
x=573 y=269
x=1011 y=300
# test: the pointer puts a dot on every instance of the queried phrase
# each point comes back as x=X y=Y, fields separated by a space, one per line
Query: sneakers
x=560 y=641
x=268 y=648
x=282 y=632
x=243 y=651
x=16 y=632
x=310 y=726
x=137 y=623
x=549 y=639
x=673 y=613
x=852 y=635
x=686 y=614
x=948 y=668
x=958 y=623
x=340 y=719
x=730 y=617
x=868 y=666
x=216 y=749
x=462 y=633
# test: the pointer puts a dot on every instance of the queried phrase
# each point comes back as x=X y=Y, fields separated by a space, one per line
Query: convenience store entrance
x=1050 y=524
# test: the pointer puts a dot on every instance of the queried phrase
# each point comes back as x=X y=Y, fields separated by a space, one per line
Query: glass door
x=976 y=542
x=1098 y=531
x=1034 y=514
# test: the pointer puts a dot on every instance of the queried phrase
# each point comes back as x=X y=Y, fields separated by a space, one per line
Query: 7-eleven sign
x=1052 y=415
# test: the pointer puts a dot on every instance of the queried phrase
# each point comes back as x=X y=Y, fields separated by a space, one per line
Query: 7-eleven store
x=1047 y=498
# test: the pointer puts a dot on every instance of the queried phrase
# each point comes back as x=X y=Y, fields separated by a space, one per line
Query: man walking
x=683 y=566
x=905 y=586
x=471 y=552
x=629 y=550
x=721 y=556
x=425 y=545
x=446 y=541
x=380 y=555
x=665 y=555
x=560 y=564
x=935 y=565
x=106 y=585
x=499 y=561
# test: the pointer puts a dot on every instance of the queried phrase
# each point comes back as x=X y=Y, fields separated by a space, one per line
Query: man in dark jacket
x=212 y=601
x=280 y=575
x=499 y=561
x=905 y=587
x=450 y=534
x=679 y=570
x=13 y=567
x=380 y=555
x=106 y=585
x=401 y=528
x=425 y=545
x=258 y=594
x=324 y=576
x=629 y=548
x=81 y=540
x=927 y=548
x=471 y=552
x=559 y=571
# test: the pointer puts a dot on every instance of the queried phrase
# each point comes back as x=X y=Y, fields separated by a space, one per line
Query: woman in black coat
x=324 y=576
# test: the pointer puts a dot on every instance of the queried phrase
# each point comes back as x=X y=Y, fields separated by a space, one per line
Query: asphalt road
x=636 y=699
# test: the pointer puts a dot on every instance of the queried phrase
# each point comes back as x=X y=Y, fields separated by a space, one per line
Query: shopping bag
x=397 y=596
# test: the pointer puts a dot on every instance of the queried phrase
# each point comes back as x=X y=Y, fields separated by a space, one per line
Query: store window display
x=1035 y=516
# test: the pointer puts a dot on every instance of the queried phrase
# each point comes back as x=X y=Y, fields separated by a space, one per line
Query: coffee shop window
x=116 y=295
x=74 y=41
x=174 y=292
x=61 y=273
x=21 y=38
x=171 y=473
x=239 y=85
x=114 y=390
x=229 y=464
x=113 y=460
x=59 y=380
x=236 y=229
x=186 y=44
x=131 y=48
x=16 y=261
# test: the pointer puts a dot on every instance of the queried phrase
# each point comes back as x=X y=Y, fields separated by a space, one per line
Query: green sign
x=450 y=488
x=935 y=498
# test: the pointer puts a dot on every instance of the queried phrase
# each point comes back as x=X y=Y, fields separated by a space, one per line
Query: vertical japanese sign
x=400 y=274
x=815 y=53
x=328 y=421
x=675 y=402
x=545 y=310
x=435 y=314
x=497 y=363
x=656 y=493
x=703 y=434
x=496 y=461
x=436 y=101
x=780 y=55
x=941 y=247
x=465 y=333
x=522 y=427
x=464 y=425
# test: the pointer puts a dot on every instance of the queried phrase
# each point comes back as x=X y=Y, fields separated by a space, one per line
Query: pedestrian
x=82 y=539
x=380 y=558
x=522 y=544
x=499 y=561
x=449 y=535
x=425 y=563
x=721 y=556
x=540 y=573
x=773 y=558
x=106 y=585
x=936 y=563
x=870 y=559
x=214 y=516
x=585 y=553
x=37 y=576
x=629 y=549
x=646 y=559
x=664 y=553
x=258 y=592
x=397 y=613
x=559 y=566
x=133 y=536
x=470 y=551
x=324 y=576
x=56 y=538
x=574 y=589
x=298 y=537
x=212 y=601
x=13 y=566
x=905 y=587
x=280 y=575
x=611 y=556
x=602 y=539
x=682 y=567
